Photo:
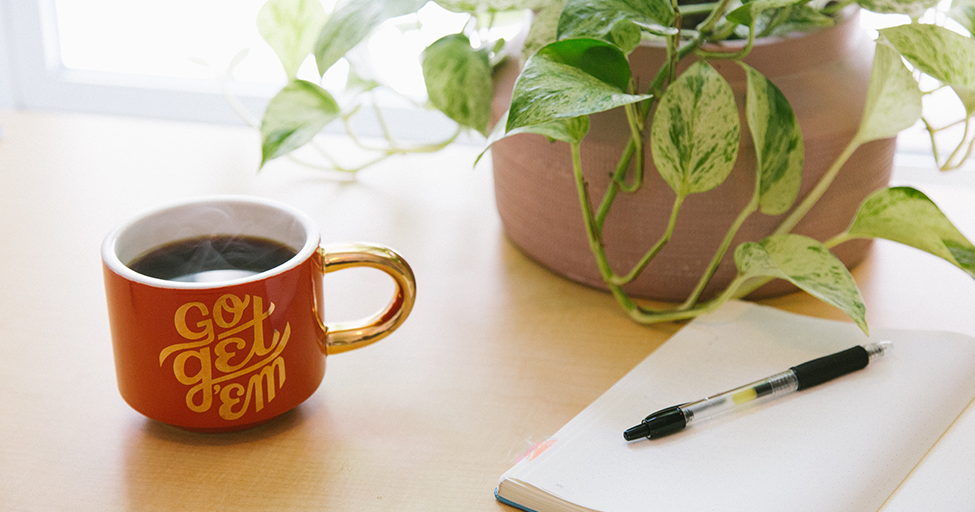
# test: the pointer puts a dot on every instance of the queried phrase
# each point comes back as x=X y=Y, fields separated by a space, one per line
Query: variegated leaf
x=543 y=30
x=568 y=79
x=570 y=130
x=912 y=8
x=963 y=11
x=807 y=264
x=779 y=149
x=893 y=98
x=458 y=80
x=482 y=6
x=906 y=215
x=600 y=18
x=293 y=117
x=695 y=131
x=946 y=55
x=352 y=22
x=749 y=12
x=290 y=28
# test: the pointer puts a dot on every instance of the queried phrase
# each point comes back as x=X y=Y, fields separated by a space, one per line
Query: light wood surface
x=498 y=353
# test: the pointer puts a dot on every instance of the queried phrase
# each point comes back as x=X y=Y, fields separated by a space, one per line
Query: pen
x=806 y=375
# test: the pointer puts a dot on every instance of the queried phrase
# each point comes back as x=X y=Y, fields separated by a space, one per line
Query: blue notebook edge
x=509 y=502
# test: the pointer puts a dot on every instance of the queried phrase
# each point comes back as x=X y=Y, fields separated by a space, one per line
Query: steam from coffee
x=212 y=258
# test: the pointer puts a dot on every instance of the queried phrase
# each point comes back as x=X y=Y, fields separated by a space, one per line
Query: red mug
x=217 y=352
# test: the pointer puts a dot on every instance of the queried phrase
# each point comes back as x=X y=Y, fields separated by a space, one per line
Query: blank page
x=843 y=445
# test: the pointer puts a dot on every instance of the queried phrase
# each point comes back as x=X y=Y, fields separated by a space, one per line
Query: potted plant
x=682 y=130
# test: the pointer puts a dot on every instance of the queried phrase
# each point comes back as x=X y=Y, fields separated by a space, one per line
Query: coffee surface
x=212 y=258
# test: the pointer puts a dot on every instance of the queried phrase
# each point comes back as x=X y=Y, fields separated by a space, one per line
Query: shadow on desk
x=174 y=469
x=283 y=423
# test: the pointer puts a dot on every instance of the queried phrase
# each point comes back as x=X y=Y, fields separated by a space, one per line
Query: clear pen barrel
x=771 y=387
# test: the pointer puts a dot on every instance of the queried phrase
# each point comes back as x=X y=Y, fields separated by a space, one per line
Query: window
x=117 y=57
x=169 y=60
x=166 y=59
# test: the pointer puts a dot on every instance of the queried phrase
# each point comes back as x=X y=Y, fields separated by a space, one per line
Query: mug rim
x=111 y=259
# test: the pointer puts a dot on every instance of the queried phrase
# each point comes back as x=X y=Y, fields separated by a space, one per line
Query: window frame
x=32 y=77
x=36 y=79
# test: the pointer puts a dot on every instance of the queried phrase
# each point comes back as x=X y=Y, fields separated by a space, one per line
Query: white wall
x=6 y=82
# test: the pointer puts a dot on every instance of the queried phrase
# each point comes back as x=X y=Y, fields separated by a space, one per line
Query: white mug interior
x=220 y=216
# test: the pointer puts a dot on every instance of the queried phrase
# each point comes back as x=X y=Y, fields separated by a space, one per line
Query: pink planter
x=823 y=74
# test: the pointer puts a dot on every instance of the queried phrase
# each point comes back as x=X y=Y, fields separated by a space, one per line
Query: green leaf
x=695 y=131
x=358 y=84
x=570 y=130
x=749 y=12
x=802 y=18
x=963 y=11
x=967 y=97
x=482 y=6
x=293 y=117
x=352 y=22
x=944 y=54
x=543 y=29
x=906 y=215
x=807 y=264
x=779 y=20
x=779 y=149
x=290 y=28
x=626 y=36
x=598 y=19
x=947 y=56
x=893 y=97
x=458 y=80
x=570 y=78
x=912 y=8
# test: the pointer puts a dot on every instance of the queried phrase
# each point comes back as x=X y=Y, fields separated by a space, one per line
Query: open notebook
x=891 y=437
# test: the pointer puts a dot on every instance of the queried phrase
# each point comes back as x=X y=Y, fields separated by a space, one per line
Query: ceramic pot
x=823 y=74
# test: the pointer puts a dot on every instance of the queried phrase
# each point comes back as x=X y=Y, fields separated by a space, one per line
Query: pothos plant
x=687 y=122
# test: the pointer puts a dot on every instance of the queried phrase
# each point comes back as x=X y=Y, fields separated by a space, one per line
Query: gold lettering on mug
x=227 y=355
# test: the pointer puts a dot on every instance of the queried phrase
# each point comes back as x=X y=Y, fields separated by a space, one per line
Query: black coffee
x=212 y=258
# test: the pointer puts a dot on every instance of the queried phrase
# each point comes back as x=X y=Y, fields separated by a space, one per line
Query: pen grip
x=830 y=367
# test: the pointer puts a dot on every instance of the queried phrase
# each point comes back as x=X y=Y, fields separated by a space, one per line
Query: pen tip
x=879 y=349
x=638 y=432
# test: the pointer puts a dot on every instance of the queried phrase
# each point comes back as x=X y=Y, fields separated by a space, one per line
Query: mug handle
x=345 y=336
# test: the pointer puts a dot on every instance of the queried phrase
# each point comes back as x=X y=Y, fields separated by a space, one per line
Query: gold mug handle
x=345 y=336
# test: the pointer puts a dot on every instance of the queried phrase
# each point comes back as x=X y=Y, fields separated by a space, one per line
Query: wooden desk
x=498 y=353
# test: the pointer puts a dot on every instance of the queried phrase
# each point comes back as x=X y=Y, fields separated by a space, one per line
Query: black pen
x=674 y=419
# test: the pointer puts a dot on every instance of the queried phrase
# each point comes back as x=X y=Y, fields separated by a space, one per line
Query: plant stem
x=934 y=143
x=838 y=239
x=592 y=230
x=746 y=212
x=595 y=238
x=817 y=192
x=346 y=174
x=393 y=148
x=663 y=74
x=953 y=162
x=807 y=203
x=780 y=16
x=636 y=138
x=837 y=7
x=708 y=24
x=236 y=104
x=642 y=264
x=691 y=9
x=646 y=316
x=740 y=54
x=618 y=176
x=594 y=222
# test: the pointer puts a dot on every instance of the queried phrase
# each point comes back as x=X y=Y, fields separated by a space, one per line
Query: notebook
x=898 y=435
